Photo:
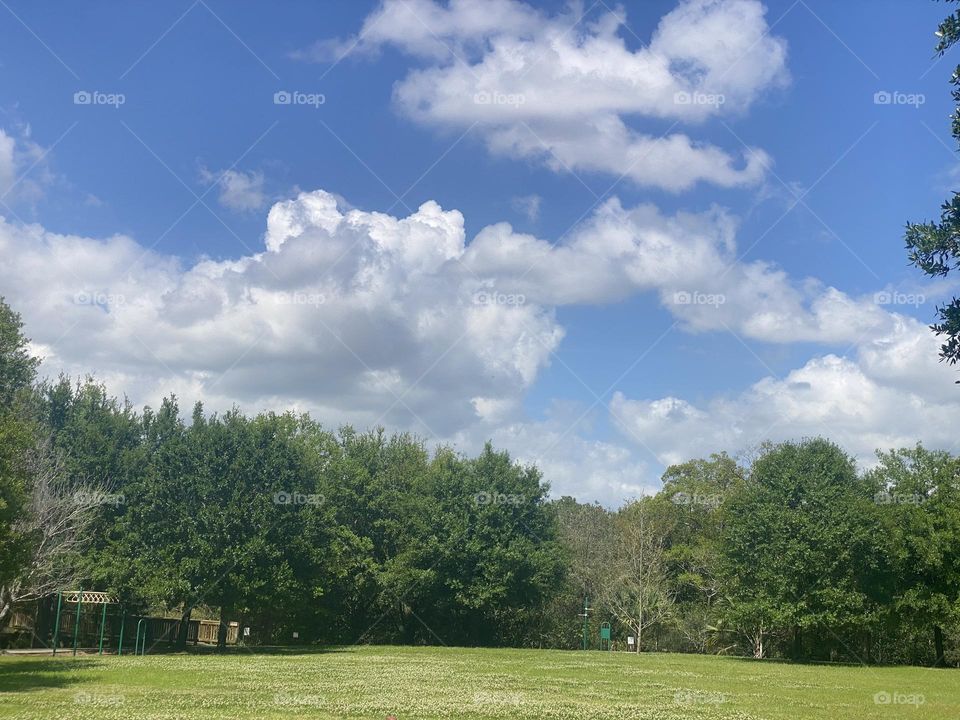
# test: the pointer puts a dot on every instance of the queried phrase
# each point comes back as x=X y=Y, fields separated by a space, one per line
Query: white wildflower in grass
x=458 y=684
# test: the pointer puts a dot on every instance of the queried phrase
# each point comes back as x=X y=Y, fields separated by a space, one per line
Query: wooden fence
x=161 y=631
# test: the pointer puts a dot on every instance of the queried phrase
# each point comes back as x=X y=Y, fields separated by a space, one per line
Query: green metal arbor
x=81 y=598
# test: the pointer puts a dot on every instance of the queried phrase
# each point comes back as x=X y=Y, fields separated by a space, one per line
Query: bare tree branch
x=56 y=522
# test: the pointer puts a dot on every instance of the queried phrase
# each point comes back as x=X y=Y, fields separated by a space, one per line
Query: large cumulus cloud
x=568 y=89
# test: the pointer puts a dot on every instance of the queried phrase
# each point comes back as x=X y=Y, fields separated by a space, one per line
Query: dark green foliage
x=934 y=247
x=804 y=550
x=920 y=494
x=694 y=503
x=362 y=537
x=17 y=366
x=290 y=528
x=17 y=434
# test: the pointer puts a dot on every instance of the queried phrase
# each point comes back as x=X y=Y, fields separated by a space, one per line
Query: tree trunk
x=41 y=627
x=222 y=630
x=183 y=629
x=6 y=604
x=938 y=646
x=758 y=645
x=797 y=642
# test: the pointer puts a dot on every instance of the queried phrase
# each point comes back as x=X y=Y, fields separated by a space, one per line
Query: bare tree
x=638 y=592
x=55 y=522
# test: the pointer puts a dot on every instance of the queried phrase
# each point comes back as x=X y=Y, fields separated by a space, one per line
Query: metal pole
x=76 y=626
x=123 y=622
x=586 y=623
x=136 y=642
x=56 y=627
x=103 y=626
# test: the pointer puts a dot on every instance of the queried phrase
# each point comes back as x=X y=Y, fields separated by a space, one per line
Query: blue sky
x=135 y=234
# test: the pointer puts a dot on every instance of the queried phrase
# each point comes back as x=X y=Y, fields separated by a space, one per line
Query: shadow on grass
x=25 y=674
x=832 y=663
x=257 y=650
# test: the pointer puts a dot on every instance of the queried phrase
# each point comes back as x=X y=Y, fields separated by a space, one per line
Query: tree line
x=345 y=536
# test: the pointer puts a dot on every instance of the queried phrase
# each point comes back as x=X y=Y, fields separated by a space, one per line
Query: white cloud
x=347 y=308
x=586 y=469
x=8 y=168
x=242 y=191
x=528 y=206
x=688 y=259
x=366 y=318
x=23 y=171
x=891 y=393
x=572 y=462
x=358 y=316
x=561 y=88
x=429 y=29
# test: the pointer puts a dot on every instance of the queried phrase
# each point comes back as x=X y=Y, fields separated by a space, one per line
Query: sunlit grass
x=374 y=682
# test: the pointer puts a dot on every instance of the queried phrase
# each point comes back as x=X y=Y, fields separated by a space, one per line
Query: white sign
x=295 y=634
x=630 y=640
x=246 y=632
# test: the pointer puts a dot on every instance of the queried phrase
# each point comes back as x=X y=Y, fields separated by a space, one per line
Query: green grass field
x=417 y=683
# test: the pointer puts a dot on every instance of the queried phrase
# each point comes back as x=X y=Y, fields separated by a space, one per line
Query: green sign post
x=586 y=622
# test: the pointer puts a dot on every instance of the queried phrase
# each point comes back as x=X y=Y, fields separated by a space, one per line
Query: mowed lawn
x=416 y=683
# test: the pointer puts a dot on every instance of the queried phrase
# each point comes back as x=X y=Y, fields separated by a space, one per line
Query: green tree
x=15 y=441
x=17 y=437
x=804 y=550
x=495 y=560
x=375 y=488
x=693 y=498
x=17 y=366
x=152 y=556
x=934 y=247
x=586 y=533
x=919 y=491
x=99 y=440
